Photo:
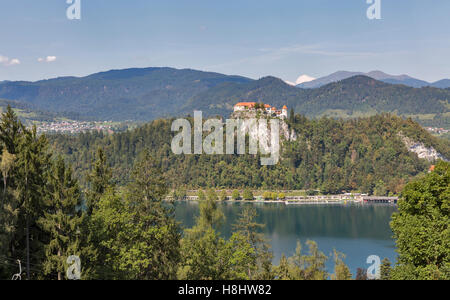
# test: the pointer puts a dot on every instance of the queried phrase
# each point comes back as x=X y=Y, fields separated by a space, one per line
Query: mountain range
x=378 y=75
x=151 y=93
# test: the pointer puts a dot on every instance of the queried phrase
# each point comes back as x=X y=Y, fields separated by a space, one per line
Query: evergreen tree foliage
x=61 y=220
x=421 y=227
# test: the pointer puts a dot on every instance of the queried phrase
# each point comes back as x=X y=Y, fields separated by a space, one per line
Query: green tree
x=267 y=195
x=93 y=255
x=210 y=213
x=223 y=196
x=308 y=267
x=139 y=237
x=201 y=195
x=236 y=195
x=61 y=220
x=33 y=162
x=99 y=179
x=108 y=228
x=421 y=227
x=380 y=189
x=6 y=165
x=315 y=263
x=261 y=256
x=212 y=195
x=202 y=247
x=248 y=195
x=385 y=269
x=153 y=243
x=341 y=271
x=179 y=194
x=11 y=130
x=9 y=216
x=282 y=271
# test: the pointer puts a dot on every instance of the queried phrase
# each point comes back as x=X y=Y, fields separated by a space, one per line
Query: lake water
x=358 y=231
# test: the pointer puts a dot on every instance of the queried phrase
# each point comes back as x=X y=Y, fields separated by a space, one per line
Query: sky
x=253 y=38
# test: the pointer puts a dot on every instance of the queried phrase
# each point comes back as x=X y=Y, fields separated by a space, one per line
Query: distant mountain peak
x=362 y=79
x=272 y=79
x=304 y=78
x=376 y=74
x=442 y=84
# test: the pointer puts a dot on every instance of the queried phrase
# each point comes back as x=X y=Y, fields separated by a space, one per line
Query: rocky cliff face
x=284 y=131
x=422 y=151
x=264 y=133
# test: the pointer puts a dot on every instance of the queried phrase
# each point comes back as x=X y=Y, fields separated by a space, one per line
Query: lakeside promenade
x=299 y=200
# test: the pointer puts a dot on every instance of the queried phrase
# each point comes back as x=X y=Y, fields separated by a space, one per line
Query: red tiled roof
x=246 y=104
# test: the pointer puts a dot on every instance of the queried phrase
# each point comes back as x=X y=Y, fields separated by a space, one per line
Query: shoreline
x=289 y=203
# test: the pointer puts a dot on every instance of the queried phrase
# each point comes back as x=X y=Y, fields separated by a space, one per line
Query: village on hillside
x=74 y=127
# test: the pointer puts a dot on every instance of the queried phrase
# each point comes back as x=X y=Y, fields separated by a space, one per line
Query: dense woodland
x=329 y=155
x=128 y=232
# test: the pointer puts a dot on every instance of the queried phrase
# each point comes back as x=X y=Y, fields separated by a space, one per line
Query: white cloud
x=14 y=61
x=50 y=58
x=6 y=61
x=47 y=59
x=304 y=78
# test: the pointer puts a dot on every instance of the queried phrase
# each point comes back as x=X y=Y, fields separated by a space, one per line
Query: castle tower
x=284 y=112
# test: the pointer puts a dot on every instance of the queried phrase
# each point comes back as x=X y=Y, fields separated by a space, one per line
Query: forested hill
x=130 y=94
x=151 y=93
x=332 y=155
x=359 y=95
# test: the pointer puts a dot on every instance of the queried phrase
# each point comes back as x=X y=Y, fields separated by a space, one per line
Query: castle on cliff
x=268 y=109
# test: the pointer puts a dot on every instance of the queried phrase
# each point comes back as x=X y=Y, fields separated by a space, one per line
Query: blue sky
x=254 y=38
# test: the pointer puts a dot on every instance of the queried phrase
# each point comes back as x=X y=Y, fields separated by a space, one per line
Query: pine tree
x=203 y=250
x=99 y=180
x=262 y=256
x=292 y=115
x=385 y=269
x=282 y=271
x=151 y=247
x=93 y=254
x=32 y=164
x=341 y=271
x=6 y=164
x=210 y=213
x=107 y=236
x=10 y=130
x=9 y=213
x=62 y=219
x=315 y=263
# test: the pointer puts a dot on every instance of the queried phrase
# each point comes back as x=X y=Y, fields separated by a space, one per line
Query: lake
x=358 y=231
